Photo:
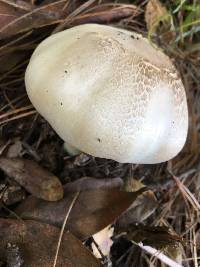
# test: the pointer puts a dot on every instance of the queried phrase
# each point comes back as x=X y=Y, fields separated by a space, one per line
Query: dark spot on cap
x=61 y=103
x=65 y=71
x=99 y=140
x=119 y=32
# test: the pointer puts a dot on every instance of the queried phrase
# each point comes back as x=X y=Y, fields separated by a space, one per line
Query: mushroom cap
x=109 y=93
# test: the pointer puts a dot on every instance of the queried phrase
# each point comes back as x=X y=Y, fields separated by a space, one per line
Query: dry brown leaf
x=108 y=16
x=155 y=12
x=36 y=243
x=140 y=210
x=36 y=180
x=92 y=211
x=105 y=12
x=89 y=183
x=15 y=20
x=156 y=236
x=13 y=194
x=8 y=14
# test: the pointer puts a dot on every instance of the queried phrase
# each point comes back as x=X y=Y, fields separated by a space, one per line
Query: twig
x=15 y=111
x=63 y=227
x=194 y=248
x=186 y=192
x=24 y=6
x=19 y=116
x=73 y=14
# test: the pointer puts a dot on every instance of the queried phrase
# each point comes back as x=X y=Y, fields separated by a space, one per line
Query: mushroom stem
x=71 y=150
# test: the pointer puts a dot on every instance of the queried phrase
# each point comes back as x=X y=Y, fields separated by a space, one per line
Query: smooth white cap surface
x=109 y=93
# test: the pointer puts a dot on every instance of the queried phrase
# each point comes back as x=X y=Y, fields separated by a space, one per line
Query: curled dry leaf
x=92 y=211
x=36 y=243
x=33 y=178
x=155 y=12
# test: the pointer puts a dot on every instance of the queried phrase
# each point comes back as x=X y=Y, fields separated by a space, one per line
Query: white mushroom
x=109 y=93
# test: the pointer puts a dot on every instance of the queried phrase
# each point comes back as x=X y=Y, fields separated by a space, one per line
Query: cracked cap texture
x=109 y=93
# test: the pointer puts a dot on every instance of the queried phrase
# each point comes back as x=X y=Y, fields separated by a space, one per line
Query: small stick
x=63 y=228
